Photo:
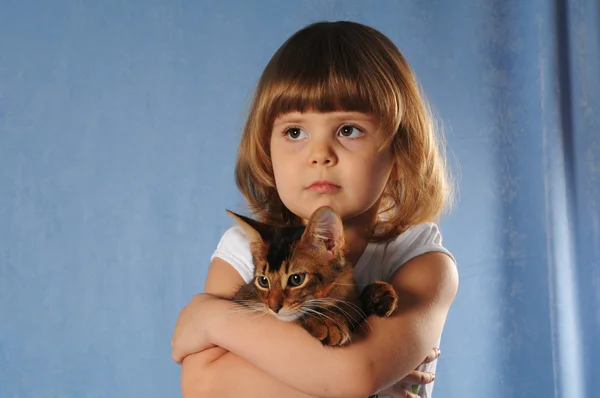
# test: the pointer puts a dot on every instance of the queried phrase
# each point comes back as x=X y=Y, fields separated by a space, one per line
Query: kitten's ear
x=254 y=230
x=325 y=231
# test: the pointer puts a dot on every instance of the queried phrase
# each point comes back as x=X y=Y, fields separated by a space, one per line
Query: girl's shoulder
x=234 y=248
x=416 y=240
x=232 y=237
x=386 y=257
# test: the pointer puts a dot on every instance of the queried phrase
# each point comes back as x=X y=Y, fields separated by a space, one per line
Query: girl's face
x=329 y=159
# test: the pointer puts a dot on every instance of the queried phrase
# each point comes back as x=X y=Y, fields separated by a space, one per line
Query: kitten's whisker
x=333 y=304
x=354 y=322
x=248 y=307
x=245 y=310
x=260 y=314
x=328 y=317
x=257 y=309
x=351 y=321
x=333 y=301
x=241 y=301
x=345 y=284
x=309 y=314
x=243 y=307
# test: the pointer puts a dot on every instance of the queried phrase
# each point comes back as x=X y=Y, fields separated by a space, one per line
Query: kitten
x=302 y=275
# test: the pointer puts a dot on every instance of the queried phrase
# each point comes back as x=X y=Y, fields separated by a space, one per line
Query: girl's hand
x=191 y=329
x=404 y=388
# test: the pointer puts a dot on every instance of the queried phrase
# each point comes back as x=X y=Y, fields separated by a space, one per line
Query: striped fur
x=302 y=275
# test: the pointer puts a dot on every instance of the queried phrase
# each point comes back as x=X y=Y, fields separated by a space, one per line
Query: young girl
x=337 y=120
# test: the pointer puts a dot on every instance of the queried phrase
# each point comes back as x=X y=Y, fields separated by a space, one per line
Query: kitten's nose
x=275 y=307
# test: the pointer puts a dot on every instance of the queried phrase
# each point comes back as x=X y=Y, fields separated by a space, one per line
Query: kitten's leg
x=329 y=327
x=314 y=326
x=247 y=296
x=379 y=298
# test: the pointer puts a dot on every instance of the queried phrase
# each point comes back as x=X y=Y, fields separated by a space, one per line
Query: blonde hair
x=330 y=66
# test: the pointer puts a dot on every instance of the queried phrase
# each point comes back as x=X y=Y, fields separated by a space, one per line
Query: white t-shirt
x=378 y=262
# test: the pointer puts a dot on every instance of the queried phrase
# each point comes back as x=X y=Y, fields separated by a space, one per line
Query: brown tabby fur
x=306 y=278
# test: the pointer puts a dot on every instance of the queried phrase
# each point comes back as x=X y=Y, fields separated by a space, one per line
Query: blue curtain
x=118 y=130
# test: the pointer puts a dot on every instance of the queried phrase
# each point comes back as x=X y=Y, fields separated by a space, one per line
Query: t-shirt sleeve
x=234 y=248
x=420 y=239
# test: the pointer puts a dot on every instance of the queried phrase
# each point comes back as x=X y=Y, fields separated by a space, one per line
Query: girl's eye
x=294 y=133
x=296 y=279
x=349 y=131
x=263 y=281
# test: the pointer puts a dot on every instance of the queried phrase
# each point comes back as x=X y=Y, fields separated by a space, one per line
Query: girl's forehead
x=330 y=116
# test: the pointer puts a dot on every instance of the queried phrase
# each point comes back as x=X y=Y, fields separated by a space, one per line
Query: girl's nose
x=322 y=155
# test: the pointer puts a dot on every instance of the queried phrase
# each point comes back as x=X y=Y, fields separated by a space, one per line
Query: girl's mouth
x=323 y=187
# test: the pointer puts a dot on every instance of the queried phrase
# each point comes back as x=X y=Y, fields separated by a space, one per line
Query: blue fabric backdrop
x=118 y=130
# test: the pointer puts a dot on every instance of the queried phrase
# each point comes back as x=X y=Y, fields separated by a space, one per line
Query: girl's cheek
x=355 y=145
x=287 y=160
x=296 y=147
x=285 y=149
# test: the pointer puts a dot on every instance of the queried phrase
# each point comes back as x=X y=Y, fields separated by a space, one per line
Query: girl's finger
x=416 y=377
x=433 y=355
x=400 y=394
x=406 y=394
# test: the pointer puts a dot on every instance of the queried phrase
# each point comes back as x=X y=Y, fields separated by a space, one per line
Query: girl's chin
x=305 y=212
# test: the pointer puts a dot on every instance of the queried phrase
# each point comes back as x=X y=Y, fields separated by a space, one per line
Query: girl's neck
x=355 y=245
x=357 y=233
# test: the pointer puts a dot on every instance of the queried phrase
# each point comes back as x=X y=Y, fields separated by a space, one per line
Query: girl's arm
x=426 y=287
x=215 y=372
x=229 y=376
x=218 y=373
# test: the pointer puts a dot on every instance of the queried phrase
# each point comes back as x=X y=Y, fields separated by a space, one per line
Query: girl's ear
x=395 y=175
x=255 y=231
x=325 y=231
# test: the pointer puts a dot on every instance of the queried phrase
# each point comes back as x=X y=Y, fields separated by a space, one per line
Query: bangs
x=346 y=66
x=323 y=75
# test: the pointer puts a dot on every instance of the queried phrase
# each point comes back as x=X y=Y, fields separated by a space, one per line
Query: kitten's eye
x=296 y=279
x=262 y=281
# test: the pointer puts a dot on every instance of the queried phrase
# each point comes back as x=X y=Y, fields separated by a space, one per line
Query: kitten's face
x=297 y=267
x=291 y=275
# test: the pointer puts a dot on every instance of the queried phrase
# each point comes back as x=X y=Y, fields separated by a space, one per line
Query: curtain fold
x=119 y=125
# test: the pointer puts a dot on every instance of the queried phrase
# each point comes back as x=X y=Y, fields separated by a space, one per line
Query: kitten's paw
x=338 y=333
x=328 y=330
x=379 y=298
x=315 y=328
